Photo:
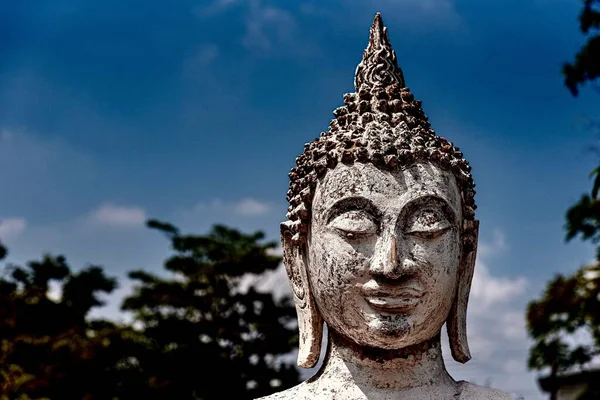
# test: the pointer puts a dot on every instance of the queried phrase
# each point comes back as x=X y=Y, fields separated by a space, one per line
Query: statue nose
x=387 y=260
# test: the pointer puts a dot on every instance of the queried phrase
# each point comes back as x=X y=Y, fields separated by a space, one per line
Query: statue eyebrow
x=413 y=205
x=349 y=204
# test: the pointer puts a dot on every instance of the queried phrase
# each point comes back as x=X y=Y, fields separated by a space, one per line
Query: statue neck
x=415 y=369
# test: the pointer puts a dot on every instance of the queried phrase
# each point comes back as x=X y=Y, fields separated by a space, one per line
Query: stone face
x=380 y=245
x=384 y=252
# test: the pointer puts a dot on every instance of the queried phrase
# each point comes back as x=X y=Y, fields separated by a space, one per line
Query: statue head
x=381 y=237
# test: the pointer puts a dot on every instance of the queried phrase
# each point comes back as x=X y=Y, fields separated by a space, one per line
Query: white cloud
x=113 y=215
x=496 y=245
x=488 y=289
x=513 y=322
x=267 y=26
x=247 y=207
x=10 y=228
x=251 y=207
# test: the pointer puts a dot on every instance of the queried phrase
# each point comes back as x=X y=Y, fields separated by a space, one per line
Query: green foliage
x=586 y=66
x=198 y=335
x=3 y=251
x=207 y=338
x=571 y=303
x=48 y=349
x=583 y=220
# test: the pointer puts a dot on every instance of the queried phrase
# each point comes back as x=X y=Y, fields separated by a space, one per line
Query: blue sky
x=193 y=112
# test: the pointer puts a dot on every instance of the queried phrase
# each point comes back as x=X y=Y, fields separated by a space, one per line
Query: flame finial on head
x=379 y=66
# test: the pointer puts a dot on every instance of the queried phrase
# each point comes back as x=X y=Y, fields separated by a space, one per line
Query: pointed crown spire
x=379 y=66
x=381 y=123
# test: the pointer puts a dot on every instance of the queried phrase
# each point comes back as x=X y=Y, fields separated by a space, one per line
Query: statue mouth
x=391 y=298
x=392 y=304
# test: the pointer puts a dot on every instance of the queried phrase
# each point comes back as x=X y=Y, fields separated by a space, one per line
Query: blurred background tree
x=586 y=66
x=571 y=304
x=205 y=333
x=211 y=337
x=49 y=350
x=3 y=251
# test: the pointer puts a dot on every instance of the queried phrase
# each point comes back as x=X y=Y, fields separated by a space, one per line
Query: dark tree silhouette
x=208 y=338
x=49 y=350
x=3 y=251
x=586 y=67
x=197 y=335
x=572 y=303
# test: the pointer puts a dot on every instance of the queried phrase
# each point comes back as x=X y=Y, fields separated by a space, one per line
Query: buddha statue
x=380 y=245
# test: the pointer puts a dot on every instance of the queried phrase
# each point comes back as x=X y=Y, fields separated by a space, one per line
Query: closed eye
x=428 y=223
x=429 y=234
x=354 y=224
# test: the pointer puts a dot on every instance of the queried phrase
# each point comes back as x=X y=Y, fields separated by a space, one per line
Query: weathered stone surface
x=380 y=245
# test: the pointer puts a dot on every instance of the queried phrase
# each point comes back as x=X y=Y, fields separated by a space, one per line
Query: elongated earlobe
x=310 y=322
x=457 y=319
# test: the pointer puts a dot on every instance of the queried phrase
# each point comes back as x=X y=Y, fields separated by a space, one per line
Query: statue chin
x=380 y=245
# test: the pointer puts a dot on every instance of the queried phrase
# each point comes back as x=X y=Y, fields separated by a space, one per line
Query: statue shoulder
x=470 y=391
x=297 y=392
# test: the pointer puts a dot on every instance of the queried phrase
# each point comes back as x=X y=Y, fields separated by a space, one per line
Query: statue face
x=384 y=250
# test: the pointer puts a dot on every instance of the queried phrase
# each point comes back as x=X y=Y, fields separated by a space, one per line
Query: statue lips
x=392 y=298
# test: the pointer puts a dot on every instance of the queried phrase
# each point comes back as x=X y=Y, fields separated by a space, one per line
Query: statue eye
x=428 y=224
x=354 y=224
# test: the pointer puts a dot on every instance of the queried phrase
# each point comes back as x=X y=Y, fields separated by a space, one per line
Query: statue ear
x=310 y=322
x=457 y=318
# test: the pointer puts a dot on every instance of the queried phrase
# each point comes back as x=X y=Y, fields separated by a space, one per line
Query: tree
x=586 y=66
x=3 y=251
x=208 y=338
x=190 y=331
x=571 y=303
x=48 y=348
